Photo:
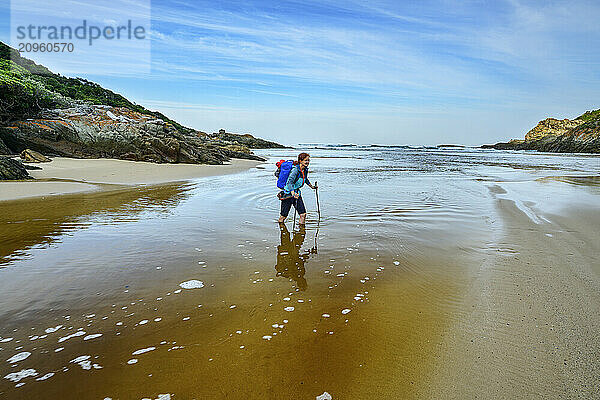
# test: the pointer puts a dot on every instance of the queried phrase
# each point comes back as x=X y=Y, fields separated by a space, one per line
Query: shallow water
x=193 y=290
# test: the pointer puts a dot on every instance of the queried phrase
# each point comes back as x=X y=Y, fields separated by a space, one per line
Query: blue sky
x=390 y=72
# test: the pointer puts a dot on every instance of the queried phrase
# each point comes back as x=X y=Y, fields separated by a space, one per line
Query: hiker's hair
x=302 y=156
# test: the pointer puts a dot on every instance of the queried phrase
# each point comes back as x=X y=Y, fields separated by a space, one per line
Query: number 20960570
x=46 y=47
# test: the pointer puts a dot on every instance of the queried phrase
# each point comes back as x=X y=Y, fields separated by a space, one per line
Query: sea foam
x=22 y=374
x=192 y=284
x=142 y=351
x=18 y=357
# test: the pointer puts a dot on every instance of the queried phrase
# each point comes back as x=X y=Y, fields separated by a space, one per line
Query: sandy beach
x=450 y=274
x=73 y=175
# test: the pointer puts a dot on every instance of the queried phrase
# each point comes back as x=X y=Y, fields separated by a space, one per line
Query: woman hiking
x=291 y=192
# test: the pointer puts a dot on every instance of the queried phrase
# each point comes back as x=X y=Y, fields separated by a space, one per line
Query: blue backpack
x=283 y=172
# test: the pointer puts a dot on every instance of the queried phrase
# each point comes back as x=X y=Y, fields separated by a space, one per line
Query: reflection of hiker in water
x=290 y=263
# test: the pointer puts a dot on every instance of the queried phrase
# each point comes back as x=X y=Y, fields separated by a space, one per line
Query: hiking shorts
x=286 y=205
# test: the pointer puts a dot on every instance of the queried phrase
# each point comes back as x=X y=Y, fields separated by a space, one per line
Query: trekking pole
x=318 y=206
x=294 y=225
x=315 y=241
x=319 y=220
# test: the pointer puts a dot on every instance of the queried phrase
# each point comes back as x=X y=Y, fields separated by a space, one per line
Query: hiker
x=291 y=196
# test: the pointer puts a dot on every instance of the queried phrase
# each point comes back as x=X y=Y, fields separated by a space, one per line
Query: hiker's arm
x=308 y=182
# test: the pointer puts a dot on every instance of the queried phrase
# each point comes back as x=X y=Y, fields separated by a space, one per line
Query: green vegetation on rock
x=20 y=93
x=27 y=87
x=590 y=115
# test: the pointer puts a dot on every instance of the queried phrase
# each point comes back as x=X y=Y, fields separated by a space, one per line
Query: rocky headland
x=72 y=117
x=246 y=140
x=580 y=135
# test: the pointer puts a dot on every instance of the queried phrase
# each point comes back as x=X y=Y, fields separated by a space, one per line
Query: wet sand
x=40 y=220
x=528 y=324
x=72 y=175
x=463 y=287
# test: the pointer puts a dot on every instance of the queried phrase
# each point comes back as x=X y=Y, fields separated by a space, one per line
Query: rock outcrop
x=246 y=140
x=580 y=135
x=11 y=169
x=31 y=156
x=551 y=126
x=100 y=131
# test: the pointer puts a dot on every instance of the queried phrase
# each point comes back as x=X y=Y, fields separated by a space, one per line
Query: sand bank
x=529 y=323
x=71 y=175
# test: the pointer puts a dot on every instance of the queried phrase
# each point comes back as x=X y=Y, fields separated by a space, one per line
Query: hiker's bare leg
x=302 y=219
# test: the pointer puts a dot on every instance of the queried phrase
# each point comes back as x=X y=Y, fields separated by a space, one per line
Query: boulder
x=32 y=156
x=11 y=169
